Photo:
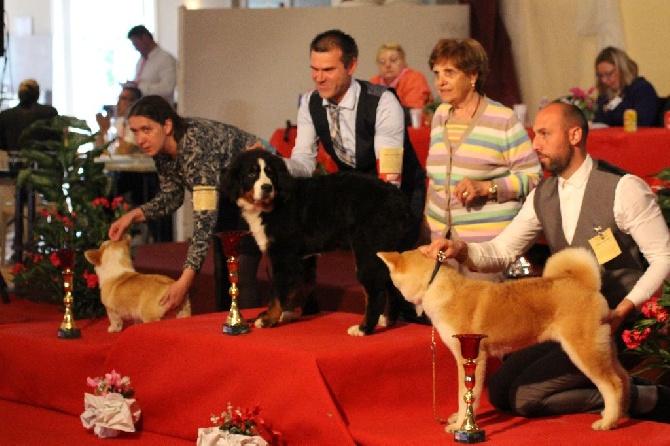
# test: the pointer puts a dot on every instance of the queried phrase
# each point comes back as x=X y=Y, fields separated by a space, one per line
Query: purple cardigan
x=639 y=95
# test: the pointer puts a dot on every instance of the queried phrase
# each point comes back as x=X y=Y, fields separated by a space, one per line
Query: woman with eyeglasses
x=620 y=88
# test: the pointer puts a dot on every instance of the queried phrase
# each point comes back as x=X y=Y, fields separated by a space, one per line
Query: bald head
x=560 y=138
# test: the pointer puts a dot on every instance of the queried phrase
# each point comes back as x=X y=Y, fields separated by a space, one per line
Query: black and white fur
x=294 y=218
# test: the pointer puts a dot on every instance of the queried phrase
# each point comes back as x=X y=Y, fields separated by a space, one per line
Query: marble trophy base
x=69 y=333
x=236 y=329
x=469 y=437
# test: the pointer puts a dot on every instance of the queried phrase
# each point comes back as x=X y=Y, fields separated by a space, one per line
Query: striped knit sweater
x=494 y=147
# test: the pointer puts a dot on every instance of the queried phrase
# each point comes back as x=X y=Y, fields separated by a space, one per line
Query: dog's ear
x=285 y=181
x=93 y=256
x=230 y=184
x=390 y=259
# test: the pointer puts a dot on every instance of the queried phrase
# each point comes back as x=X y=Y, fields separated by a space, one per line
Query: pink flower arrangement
x=585 y=100
x=111 y=383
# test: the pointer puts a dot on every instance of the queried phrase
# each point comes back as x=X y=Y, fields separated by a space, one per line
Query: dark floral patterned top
x=203 y=153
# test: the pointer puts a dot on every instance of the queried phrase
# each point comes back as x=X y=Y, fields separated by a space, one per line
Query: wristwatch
x=493 y=192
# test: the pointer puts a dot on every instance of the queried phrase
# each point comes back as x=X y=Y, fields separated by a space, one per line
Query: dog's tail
x=578 y=263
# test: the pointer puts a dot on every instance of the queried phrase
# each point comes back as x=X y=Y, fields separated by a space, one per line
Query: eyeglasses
x=606 y=74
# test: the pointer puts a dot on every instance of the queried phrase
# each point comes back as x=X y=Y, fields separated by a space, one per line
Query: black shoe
x=661 y=412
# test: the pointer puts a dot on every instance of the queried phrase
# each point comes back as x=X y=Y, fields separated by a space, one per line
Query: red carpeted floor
x=314 y=383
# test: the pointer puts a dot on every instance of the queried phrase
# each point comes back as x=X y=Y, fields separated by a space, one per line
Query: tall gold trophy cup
x=469 y=431
x=235 y=324
x=67 y=329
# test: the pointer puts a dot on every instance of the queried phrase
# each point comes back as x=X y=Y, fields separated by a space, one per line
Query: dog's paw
x=453 y=418
x=452 y=427
x=355 y=330
x=383 y=321
x=258 y=323
x=114 y=328
x=290 y=316
x=602 y=425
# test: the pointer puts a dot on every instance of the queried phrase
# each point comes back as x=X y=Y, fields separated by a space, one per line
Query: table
x=643 y=153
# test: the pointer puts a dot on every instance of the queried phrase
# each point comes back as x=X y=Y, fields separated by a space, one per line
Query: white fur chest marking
x=257 y=228
x=263 y=180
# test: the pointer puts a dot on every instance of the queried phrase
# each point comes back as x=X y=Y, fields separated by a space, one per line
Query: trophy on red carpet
x=68 y=329
x=469 y=431
x=235 y=324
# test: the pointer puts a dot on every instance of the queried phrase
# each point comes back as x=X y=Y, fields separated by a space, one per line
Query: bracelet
x=493 y=192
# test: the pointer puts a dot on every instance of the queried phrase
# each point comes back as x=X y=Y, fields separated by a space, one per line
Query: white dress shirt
x=636 y=213
x=158 y=74
x=389 y=128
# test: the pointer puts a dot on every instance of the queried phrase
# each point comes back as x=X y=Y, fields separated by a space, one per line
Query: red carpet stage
x=314 y=383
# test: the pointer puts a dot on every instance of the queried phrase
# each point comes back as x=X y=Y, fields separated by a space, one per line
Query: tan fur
x=125 y=293
x=564 y=305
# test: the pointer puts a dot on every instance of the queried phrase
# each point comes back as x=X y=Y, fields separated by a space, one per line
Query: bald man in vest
x=582 y=199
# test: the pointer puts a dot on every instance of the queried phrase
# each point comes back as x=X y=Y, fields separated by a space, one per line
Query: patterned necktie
x=335 y=135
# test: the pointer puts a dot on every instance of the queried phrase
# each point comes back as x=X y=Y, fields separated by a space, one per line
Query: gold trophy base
x=469 y=437
x=237 y=329
x=69 y=333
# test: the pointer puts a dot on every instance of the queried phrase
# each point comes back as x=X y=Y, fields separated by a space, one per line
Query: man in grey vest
x=584 y=198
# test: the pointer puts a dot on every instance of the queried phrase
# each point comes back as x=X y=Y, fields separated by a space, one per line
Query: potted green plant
x=60 y=157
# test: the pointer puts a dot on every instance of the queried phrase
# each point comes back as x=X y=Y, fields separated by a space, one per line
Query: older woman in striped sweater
x=481 y=164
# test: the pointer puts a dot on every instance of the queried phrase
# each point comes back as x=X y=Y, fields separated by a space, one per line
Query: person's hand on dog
x=119 y=227
x=256 y=145
x=178 y=290
x=616 y=317
x=443 y=249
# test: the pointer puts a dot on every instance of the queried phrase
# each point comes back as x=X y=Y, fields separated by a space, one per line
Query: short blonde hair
x=390 y=46
x=626 y=66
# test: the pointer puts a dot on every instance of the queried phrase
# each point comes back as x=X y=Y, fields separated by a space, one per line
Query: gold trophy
x=68 y=329
x=234 y=325
x=469 y=431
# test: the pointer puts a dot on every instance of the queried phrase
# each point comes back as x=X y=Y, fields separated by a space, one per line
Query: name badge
x=614 y=103
x=205 y=198
x=604 y=245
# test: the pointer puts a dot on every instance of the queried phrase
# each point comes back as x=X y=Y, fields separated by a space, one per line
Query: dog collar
x=435 y=270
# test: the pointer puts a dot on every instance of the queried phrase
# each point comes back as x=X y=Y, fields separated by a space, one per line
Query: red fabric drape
x=487 y=27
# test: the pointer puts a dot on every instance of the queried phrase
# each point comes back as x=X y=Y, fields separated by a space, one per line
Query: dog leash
x=433 y=344
x=433 y=351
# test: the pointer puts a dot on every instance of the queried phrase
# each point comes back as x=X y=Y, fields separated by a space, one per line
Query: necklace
x=452 y=111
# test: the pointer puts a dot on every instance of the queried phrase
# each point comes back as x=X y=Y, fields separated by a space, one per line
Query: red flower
x=55 y=260
x=101 y=202
x=634 y=338
x=653 y=310
x=117 y=202
x=91 y=279
x=18 y=268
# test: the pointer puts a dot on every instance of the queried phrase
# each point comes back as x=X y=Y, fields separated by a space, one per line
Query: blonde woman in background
x=410 y=85
x=621 y=88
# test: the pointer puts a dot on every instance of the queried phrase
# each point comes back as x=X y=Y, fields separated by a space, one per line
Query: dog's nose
x=266 y=189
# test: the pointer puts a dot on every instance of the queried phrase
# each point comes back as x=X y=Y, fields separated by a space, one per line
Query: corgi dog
x=125 y=293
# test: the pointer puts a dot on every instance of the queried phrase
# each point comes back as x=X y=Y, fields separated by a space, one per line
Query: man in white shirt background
x=156 y=70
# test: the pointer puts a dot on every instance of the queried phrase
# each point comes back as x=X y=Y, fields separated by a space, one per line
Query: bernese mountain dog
x=292 y=219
